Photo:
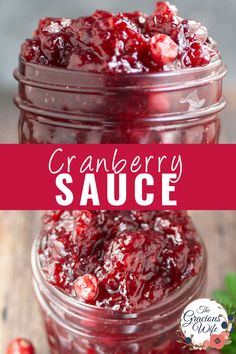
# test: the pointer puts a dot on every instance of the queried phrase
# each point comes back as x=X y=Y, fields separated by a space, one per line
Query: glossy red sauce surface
x=121 y=43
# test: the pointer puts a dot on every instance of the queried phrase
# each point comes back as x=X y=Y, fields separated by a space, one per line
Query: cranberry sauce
x=124 y=260
x=121 y=43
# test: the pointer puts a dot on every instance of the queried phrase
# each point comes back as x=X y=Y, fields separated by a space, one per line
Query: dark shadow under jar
x=60 y=106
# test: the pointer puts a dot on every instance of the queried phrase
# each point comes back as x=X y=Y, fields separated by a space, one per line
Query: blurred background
x=18 y=19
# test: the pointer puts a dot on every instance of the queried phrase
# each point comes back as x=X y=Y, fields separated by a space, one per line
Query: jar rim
x=169 y=73
x=193 y=285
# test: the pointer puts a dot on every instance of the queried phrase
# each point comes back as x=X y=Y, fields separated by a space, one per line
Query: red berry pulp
x=124 y=260
x=121 y=43
x=127 y=84
x=20 y=346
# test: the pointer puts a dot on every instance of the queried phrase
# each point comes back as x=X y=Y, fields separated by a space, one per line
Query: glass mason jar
x=77 y=328
x=60 y=106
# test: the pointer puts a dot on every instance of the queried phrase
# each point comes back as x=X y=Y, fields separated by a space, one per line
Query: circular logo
x=205 y=324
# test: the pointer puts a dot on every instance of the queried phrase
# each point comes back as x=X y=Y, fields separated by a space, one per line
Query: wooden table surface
x=19 y=313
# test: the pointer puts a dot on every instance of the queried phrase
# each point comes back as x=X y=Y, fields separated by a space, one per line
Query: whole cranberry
x=86 y=287
x=163 y=20
x=20 y=346
x=163 y=49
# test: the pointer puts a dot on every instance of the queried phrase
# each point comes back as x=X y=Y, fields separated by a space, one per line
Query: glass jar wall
x=78 y=328
x=60 y=106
